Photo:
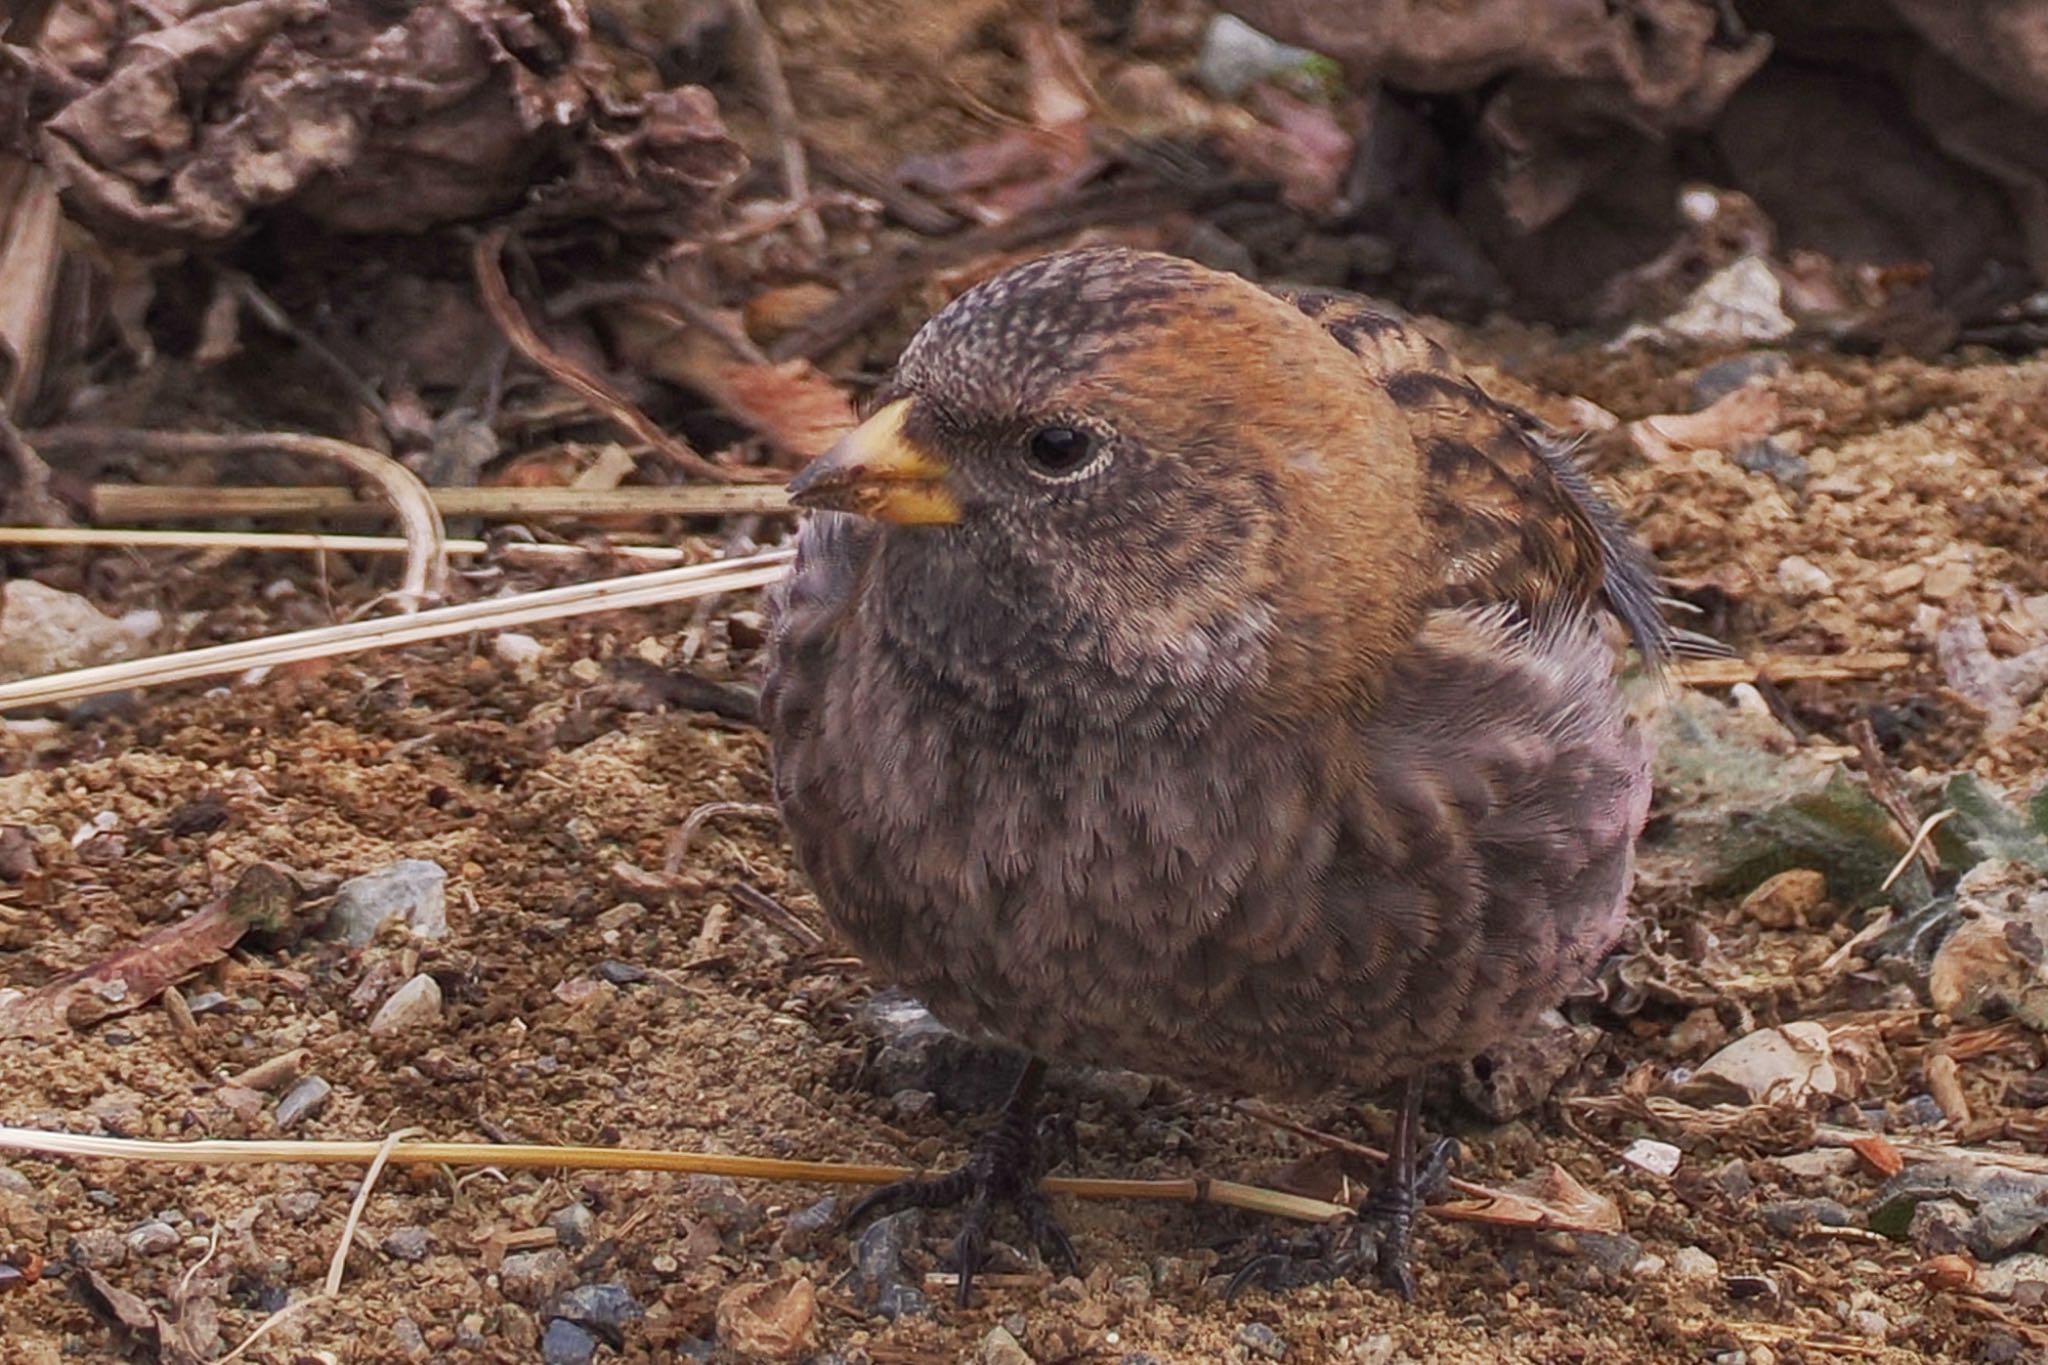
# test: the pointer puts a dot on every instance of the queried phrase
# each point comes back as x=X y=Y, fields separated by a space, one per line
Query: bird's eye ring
x=1060 y=452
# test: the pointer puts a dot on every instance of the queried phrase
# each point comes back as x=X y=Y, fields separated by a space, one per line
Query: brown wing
x=1516 y=522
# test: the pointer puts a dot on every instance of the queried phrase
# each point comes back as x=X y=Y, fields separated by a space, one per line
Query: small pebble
x=411 y=889
x=604 y=1308
x=912 y=1104
x=564 y=1343
x=621 y=973
x=98 y=1249
x=1616 y=1253
x=409 y=1244
x=1870 y=1323
x=1789 y=1217
x=1001 y=1347
x=1377 y=1349
x=1691 y=1263
x=1723 y=377
x=1658 y=1158
x=529 y=1277
x=515 y=650
x=303 y=1101
x=416 y=1004
x=299 y=1205
x=572 y=1224
x=469 y=1333
x=410 y=1340
x=1744 y=1288
x=153 y=1238
x=1258 y=1337
x=1235 y=56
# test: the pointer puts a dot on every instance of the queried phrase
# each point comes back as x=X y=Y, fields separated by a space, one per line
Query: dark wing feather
x=1515 y=519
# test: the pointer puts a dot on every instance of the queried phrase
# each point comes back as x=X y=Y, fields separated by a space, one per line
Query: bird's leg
x=1377 y=1238
x=1004 y=1169
x=1389 y=1211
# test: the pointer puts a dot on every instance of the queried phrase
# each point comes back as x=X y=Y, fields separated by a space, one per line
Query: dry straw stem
x=125 y=538
x=1786 y=668
x=533 y=1156
x=426 y=564
x=127 y=502
x=608 y=594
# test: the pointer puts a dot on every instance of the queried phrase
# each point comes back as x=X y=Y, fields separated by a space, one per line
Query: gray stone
x=409 y=1244
x=409 y=1339
x=603 y=1308
x=1789 y=1217
x=1724 y=377
x=98 y=1249
x=411 y=889
x=2005 y=1208
x=1772 y=460
x=1256 y=1336
x=303 y=1101
x=529 y=1277
x=153 y=1238
x=299 y=1205
x=880 y=1282
x=1236 y=56
x=564 y=1343
x=1691 y=1263
x=1001 y=1347
x=1940 y=1227
x=415 y=1005
x=1616 y=1253
x=572 y=1224
x=912 y=1104
x=2024 y=1276
x=621 y=973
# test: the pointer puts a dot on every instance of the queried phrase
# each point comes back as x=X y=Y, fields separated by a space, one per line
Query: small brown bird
x=1212 y=683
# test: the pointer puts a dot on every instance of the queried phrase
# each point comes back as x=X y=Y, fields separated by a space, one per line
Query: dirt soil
x=590 y=1000
x=531 y=791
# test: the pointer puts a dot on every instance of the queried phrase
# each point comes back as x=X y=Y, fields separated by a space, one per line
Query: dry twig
x=1884 y=785
x=487 y=261
x=1786 y=668
x=426 y=566
x=774 y=91
x=529 y=1156
x=123 y=538
x=125 y=502
x=609 y=594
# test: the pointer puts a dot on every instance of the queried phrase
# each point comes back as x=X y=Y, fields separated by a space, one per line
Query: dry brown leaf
x=370 y=118
x=1879 y=1154
x=131 y=977
x=1026 y=167
x=792 y=404
x=768 y=1321
x=1732 y=421
x=1295 y=142
x=1550 y=1200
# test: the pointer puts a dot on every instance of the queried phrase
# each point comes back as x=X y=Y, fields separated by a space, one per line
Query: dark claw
x=1004 y=1169
x=1378 y=1236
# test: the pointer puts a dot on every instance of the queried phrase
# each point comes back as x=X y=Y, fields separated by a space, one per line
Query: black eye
x=1059 y=451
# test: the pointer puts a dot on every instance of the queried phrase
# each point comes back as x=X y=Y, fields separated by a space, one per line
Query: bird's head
x=1135 y=434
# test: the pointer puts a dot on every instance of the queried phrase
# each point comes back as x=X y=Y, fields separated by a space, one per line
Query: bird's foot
x=1004 y=1169
x=1376 y=1238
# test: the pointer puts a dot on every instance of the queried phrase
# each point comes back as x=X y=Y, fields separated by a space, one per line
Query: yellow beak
x=876 y=471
